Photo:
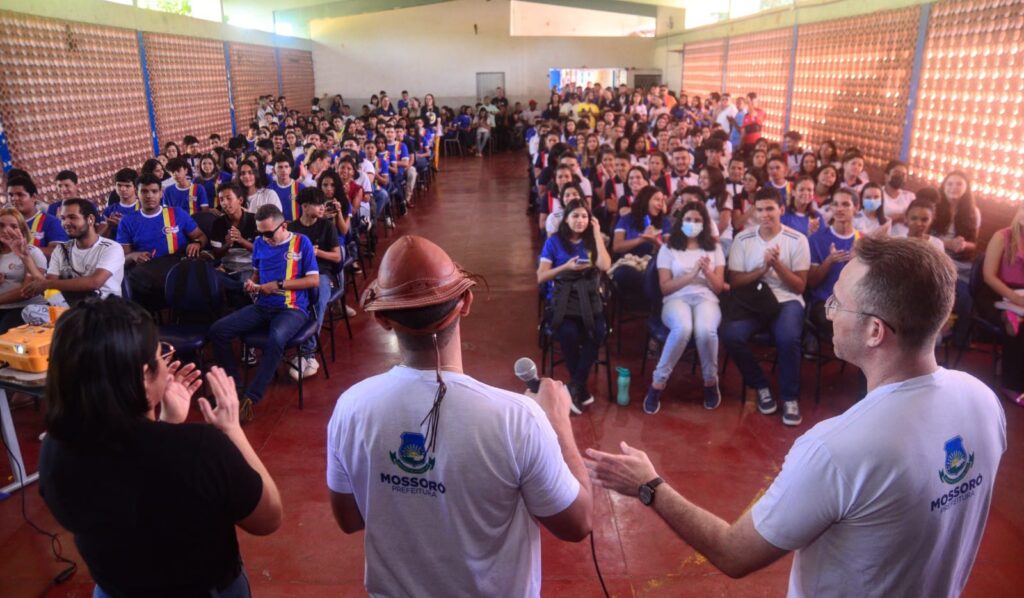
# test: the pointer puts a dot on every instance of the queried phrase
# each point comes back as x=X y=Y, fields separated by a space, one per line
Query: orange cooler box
x=27 y=348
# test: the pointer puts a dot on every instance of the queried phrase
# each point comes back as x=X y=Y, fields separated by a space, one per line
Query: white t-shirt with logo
x=747 y=255
x=458 y=521
x=12 y=275
x=681 y=262
x=105 y=254
x=891 y=497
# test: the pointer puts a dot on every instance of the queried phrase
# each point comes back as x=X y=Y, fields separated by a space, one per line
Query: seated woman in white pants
x=691 y=271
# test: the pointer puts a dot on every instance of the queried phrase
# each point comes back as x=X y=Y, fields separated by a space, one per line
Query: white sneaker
x=295 y=366
x=351 y=311
x=791 y=413
x=310 y=367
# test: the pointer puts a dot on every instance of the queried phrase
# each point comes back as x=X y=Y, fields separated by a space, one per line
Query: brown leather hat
x=414 y=273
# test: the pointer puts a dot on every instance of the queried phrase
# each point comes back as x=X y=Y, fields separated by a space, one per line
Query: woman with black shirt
x=152 y=501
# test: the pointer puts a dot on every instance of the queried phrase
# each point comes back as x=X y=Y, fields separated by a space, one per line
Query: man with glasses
x=891 y=497
x=285 y=269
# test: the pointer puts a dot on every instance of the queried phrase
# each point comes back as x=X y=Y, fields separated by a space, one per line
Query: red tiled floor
x=721 y=459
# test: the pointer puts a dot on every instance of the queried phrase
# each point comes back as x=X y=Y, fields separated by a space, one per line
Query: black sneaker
x=585 y=397
x=765 y=402
x=249 y=358
x=576 y=407
x=791 y=413
x=712 y=397
x=652 y=402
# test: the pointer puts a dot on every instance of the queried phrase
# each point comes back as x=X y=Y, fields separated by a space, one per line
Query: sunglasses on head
x=266 y=234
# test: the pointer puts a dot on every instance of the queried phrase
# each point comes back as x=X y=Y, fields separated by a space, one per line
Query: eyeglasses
x=832 y=306
x=166 y=351
x=266 y=234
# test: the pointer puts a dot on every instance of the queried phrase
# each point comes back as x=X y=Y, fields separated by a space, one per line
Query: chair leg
x=301 y=404
x=647 y=349
x=608 y=368
x=320 y=351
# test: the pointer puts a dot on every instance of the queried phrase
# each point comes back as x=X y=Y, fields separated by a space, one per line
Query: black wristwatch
x=647 y=491
x=280 y=285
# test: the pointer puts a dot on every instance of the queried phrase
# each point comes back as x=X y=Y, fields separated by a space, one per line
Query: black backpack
x=577 y=295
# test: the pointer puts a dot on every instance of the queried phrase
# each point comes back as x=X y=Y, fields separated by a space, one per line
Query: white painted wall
x=434 y=49
x=532 y=18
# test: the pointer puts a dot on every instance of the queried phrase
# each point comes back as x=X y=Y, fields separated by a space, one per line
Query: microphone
x=526 y=370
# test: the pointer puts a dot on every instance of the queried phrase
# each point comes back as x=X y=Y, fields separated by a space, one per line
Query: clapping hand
x=225 y=415
x=771 y=256
x=838 y=255
x=813 y=225
x=182 y=383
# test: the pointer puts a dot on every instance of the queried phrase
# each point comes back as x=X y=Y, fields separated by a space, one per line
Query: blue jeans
x=281 y=324
x=580 y=352
x=238 y=589
x=787 y=328
x=321 y=308
x=381 y=199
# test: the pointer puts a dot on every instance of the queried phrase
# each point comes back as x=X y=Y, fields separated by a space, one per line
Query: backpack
x=577 y=295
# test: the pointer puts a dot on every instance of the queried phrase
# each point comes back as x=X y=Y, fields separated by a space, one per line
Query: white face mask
x=692 y=229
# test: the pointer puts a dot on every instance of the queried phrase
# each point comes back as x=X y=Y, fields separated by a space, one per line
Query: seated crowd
x=283 y=213
x=697 y=216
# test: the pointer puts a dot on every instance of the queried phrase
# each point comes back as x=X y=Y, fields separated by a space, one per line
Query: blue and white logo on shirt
x=412 y=455
x=958 y=462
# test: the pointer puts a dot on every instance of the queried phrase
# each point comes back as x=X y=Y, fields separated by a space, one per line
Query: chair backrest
x=205 y=220
x=193 y=288
x=652 y=285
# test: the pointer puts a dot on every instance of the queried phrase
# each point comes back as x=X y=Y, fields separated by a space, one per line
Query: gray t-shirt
x=12 y=271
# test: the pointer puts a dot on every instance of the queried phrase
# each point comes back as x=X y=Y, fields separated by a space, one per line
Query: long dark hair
x=716 y=189
x=965 y=224
x=565 y=233
x=95 y=391
x=640 y=206
x=677 y=240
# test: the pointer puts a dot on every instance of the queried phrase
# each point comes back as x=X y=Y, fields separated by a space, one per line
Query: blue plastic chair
x=337 y=297
x=195 y=296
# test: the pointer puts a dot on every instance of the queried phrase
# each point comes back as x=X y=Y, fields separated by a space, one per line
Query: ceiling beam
x=625 y=7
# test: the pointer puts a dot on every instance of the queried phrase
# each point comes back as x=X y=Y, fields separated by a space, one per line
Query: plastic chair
x=994 y=333
x=656 y=330
x=294 y=347
x=450 y=142
x=337 y=297
x=194 y=294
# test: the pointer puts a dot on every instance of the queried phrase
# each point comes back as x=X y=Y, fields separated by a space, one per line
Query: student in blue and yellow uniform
x=45 y=232
x=285 y=268
x=398 y=161
x=124 y=185
x=286 y=188
x=190 y=197
x=154 y=239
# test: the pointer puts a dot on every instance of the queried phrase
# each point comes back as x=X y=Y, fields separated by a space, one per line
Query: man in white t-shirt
x=446 y=474
x=87 y=265
x=775 y=255
x=887 y=499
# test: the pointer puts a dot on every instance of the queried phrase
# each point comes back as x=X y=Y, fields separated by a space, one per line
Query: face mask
x=870 y=205
x=692 y=229
x=896 y=182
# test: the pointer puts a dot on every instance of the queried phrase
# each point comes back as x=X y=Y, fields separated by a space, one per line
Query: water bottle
x=623 y=395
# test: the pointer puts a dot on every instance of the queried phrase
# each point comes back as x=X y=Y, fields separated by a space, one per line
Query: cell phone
x=583 y=260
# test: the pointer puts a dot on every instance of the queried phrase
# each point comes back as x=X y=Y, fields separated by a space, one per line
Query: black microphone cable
x=55 y=545
x=597 y=567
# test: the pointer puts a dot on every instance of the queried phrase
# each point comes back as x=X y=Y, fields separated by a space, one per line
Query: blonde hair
x=1013 y=246
x=22 y=225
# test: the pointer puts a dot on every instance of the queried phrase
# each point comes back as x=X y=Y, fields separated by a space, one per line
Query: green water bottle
x=623 y=395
